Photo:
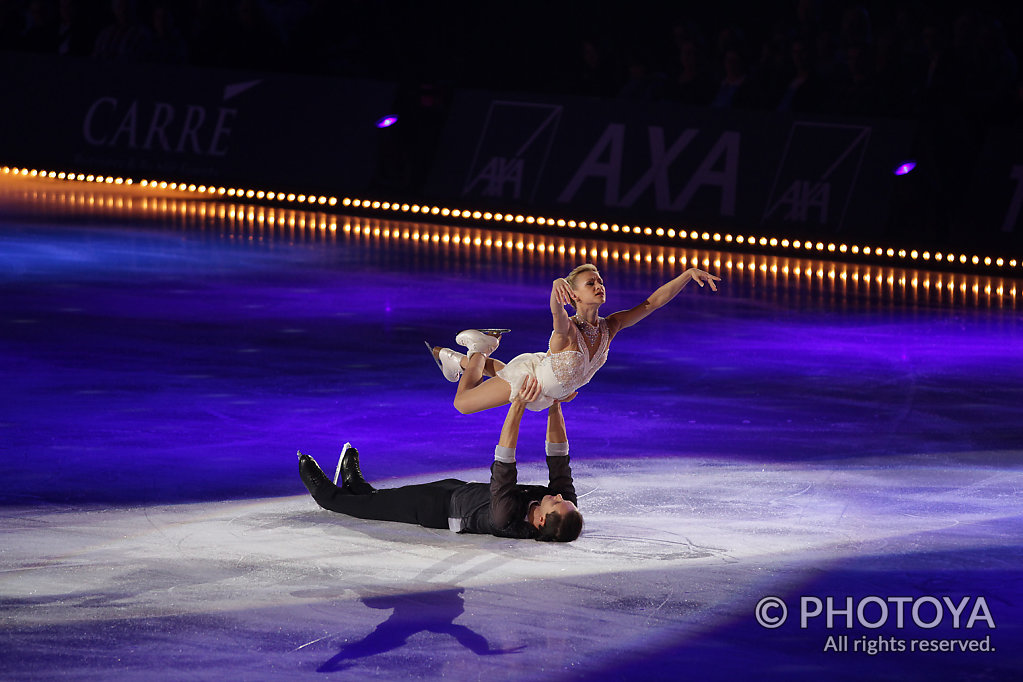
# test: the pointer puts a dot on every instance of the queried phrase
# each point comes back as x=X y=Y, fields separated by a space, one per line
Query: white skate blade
x=337 y=472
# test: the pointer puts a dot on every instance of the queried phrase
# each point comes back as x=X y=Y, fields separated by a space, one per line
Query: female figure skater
x=578 y=345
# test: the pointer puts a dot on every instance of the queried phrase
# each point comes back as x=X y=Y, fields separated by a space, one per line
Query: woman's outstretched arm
x=626 y=318
x=561 y=295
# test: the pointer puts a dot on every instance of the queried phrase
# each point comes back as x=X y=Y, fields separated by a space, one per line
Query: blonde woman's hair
x=585 y=267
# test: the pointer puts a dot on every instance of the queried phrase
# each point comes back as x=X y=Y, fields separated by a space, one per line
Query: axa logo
x=623 y=166
x=498 y=172
x=513 y=149
x=716 y=169
x=818 y=173
x=150 y=125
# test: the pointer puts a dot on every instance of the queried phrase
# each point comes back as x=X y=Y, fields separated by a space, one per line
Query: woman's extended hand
x=561 y=291
x=701 y=278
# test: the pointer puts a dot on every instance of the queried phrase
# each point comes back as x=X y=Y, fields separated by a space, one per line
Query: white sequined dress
x=559 y=374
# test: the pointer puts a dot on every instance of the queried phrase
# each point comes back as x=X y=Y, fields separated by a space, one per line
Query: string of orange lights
x=195 y=210
x=838 y=250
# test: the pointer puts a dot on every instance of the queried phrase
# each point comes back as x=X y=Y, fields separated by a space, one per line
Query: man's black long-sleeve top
x=501 y=507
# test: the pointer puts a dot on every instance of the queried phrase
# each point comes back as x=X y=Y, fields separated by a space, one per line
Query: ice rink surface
x=843 y=438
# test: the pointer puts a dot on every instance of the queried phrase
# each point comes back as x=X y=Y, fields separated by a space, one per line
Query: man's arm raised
x=558 y=469
x=503 y=474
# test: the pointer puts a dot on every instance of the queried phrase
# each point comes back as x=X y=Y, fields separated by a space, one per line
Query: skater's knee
x=463 y=406
x=468 y=404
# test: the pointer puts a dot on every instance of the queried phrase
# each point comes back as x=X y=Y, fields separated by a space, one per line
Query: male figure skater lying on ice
x=501 y=508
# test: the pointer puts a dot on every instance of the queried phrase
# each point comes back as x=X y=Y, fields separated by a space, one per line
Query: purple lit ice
x=387 y=121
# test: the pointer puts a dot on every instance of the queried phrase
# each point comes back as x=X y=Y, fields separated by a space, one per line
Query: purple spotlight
x=387 y=121
x=905 y=168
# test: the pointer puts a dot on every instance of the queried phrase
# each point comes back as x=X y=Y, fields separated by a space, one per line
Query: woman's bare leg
x=473 y=396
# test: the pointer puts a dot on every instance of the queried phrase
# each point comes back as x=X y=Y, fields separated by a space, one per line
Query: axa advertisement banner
x=201 y=125
x=628 y=160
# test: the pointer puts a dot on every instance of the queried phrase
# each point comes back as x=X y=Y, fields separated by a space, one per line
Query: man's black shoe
x=351 y=474
x=312 y=475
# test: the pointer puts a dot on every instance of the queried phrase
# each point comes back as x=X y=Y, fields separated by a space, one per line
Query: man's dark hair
x=561 y=528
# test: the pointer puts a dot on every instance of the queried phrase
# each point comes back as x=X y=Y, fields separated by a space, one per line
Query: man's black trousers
x=425 y=504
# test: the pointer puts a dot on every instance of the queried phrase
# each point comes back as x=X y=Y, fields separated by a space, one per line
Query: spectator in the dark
x=1001 y=65
x=906 y=29
x=855 y=33
x=772 y=75
x=41 y=27
x=926 y=69
x=126 y=38
x=12 y=23
x=250 y=40
x=972 y=79
x=857 y=91
x=694 y=85
x=735 y=90
x=808 y=19
x=860 y=94
x=730 y=37
x=76 y=30
x=890 y=70
x=642 y=80
x=969 y=69
x=856 y=29
x=325 y=40
x=806 y=92
x=206 y=33
x=169 y=45
x=595 y=73
x=825 y=56
x=684 y=30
